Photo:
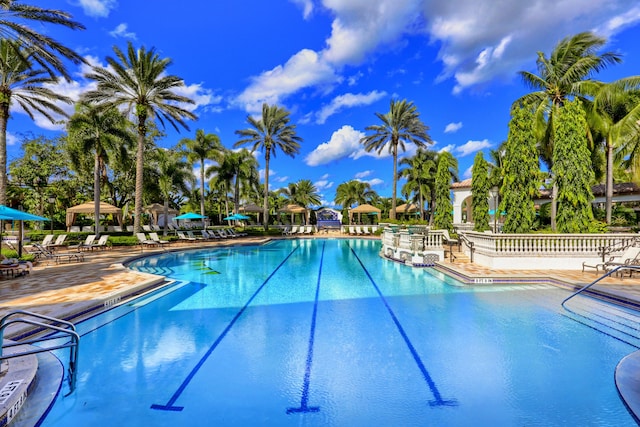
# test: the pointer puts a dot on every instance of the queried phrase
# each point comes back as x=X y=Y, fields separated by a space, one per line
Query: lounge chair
x=101 y=243
x=146 y=227
x=358 y=230
x=142 y=239
x=154 y=236
x=88 y=241
x=631 y=255
x=47 y=240
x=117 y=228
x=59 y=242
x=293 y=230
x=182 y=236
x=286 y=230
x=191 y=235
x=308 y=229
x=234 y=233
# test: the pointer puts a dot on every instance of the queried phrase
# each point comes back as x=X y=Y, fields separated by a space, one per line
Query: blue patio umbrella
x=190 y=215
x=235 y=217
x=7 y=213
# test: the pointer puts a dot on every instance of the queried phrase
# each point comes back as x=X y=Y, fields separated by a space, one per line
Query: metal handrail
x=464 y=239
x=604 y=276
x=67 y=329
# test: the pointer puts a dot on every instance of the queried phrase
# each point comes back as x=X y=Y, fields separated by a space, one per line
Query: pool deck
x=78 y=289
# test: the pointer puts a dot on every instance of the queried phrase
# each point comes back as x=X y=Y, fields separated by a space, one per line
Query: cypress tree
x=479 y=191
x=521 y=170
x=443 y=219
x=572 y=169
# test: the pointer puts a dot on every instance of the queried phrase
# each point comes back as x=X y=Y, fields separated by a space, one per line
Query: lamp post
x=495 y=191
x=52 y=200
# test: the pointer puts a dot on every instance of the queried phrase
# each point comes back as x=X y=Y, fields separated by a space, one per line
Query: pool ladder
x=58 y=328
x=631 y=268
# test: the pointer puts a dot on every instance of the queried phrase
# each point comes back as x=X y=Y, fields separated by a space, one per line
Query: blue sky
x=335 y=63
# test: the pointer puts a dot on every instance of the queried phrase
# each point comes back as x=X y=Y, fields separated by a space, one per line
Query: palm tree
x=419 y=174
x=205 y=146
x=44 y=50
x=400 y=125
x=614 y=114
x=138 y=81
x=21 y=83
x=173 y=175
x=271 y=132
x=565 y=74
x=302 y=193
x=354 y=192
x=102 y=132
x=236 y=168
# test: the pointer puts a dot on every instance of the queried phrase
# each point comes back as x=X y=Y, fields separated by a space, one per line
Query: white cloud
x=97 y=8
x=323 y=184
x=345 y=142
x=363 y=174
x=372 y=182
x=11 y=139
x=348 y=100
x=302 y=70
x=468 y=173
x=201 y=96
x=453 y=127
x=448 y=148
x=471 y=147
x=121 y=31
x=307 y=7
x=619 y=22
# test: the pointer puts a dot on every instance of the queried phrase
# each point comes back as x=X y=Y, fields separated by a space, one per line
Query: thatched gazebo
x=363 y=209
x=89 y=208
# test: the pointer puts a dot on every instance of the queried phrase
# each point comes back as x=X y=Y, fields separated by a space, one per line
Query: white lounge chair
x=154 y=236
x=47 y=240
x=182 y=236
x=101 y=243
x=142 y=239
x=88 y=241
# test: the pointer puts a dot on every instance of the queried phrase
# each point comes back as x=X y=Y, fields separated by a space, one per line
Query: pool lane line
x=170 y=404
x=438 y=400
x=304 y=400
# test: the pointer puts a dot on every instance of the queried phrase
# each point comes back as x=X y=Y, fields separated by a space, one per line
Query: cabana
x=89 y=208
x=363 y=209
x=157 y=213
x=295 y=209
x=251 y=208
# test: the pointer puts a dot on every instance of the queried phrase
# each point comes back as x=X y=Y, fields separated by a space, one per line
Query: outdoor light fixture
x=495 y=192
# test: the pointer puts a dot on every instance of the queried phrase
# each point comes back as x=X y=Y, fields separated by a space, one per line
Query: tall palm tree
x=22 y=84
x=44 y=50
x=271 y=132
x=102 y=132
x=302 y=193
x=238 y=168
x=564 y=75
x=419 y=174
x=137 y=80
x=614 y=114
x=400 y=125
x=205 y=146
x=173 y=176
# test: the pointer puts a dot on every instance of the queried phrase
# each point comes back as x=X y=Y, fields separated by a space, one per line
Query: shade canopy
x=89 y=208
x=407 y=208
x=235 y=217
x=293 y=209
x=156 y=210
x=365 y=208
x=251 y=207
x=7 y=213
x=190 y=215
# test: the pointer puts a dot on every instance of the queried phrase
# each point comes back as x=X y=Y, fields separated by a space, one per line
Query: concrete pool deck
x=78 y=289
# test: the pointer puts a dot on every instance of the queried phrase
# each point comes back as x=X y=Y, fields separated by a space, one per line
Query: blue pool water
x=326 y=333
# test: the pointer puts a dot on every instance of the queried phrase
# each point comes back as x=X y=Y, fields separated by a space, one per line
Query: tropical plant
x=572 y=170
x=22 y=84
x=205 y=146
x=44 y=50
x=104 y=133
x=173 y=176
x=565 y=74
x=446 y=168
x=302 y=193
x=521 y=171
x=138 y=81
x=419 y=174
x=480 y=190
x=399 y=126
x=236 y=169
x=614 y=114
x=270 y=133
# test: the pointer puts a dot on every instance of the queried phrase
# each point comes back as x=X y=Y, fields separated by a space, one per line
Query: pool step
x=614 y=320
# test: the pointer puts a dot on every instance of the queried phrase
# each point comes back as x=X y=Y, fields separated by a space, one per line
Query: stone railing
x=543 y=251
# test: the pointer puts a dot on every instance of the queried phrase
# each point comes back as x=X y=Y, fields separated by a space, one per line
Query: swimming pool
x=326 y=333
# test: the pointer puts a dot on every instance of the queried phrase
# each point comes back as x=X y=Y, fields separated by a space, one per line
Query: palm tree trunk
x=202 y=187
x=4 y=117
x=96 y=192
x=609 y=185
x=266 y=192
x=166 y=216
x=392 y=214
x=554 y=205
x=137 y=212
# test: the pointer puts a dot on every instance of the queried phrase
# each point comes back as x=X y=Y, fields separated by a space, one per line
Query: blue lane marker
x=438 y=400
x=169 y=405
x=304 y=401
